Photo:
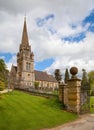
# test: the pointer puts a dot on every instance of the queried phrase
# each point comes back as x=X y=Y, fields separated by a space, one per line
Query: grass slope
x=22 y=111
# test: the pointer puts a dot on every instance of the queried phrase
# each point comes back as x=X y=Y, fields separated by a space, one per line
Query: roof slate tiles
x=43 y=76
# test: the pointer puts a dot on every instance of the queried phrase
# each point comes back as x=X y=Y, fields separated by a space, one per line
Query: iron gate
x=85 y=98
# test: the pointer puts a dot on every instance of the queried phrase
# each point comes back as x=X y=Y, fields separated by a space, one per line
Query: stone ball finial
x=74 y=71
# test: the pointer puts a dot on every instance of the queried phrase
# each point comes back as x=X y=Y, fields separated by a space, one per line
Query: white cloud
x=65 y=12
x=42 y=42
x=80 y=55
x=11 y=61
x=2 y=57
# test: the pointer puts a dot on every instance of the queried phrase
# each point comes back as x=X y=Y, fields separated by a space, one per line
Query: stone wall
x=61 y=92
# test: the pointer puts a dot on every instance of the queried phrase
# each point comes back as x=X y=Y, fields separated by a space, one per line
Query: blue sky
x=43 y=64
x=61 y=36
x=89 y=19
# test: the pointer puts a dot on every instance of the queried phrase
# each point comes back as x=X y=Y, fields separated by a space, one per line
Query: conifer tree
x=66 y=76
x=84 y=78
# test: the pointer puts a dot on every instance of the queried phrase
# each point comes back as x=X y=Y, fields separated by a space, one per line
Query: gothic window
x=28 y=66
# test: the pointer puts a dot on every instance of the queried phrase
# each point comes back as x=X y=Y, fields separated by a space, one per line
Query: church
x=23 y=76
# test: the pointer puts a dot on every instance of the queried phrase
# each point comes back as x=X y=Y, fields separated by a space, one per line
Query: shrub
x=92 y=93
x=36 y=85
x=2 y=85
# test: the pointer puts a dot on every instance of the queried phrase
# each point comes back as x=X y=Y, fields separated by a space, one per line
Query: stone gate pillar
x=73 y=92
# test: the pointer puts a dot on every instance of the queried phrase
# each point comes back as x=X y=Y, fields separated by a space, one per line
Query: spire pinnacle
x=25 y=34
x=25 y=17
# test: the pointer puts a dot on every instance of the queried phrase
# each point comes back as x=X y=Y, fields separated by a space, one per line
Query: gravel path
x=85 y=122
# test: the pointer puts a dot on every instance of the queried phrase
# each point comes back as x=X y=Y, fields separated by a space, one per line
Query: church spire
x=25 y=34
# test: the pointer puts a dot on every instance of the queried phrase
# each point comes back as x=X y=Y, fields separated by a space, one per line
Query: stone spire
x=25 y=34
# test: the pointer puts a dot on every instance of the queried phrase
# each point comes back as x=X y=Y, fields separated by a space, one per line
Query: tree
x=66 y=76
x=3 y=74
x=2 y=65
x=84 y=78
x=2 y=85
x=58 y=75
x=91 y=79
x=85 y=81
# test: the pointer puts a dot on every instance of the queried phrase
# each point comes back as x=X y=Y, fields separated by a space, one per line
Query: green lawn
x=92 y=103
x=20 y=111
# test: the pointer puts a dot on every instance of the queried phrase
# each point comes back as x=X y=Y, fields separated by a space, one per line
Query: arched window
x=28 y=66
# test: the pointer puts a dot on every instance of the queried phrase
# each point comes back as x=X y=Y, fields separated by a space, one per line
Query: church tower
x=25 y=62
